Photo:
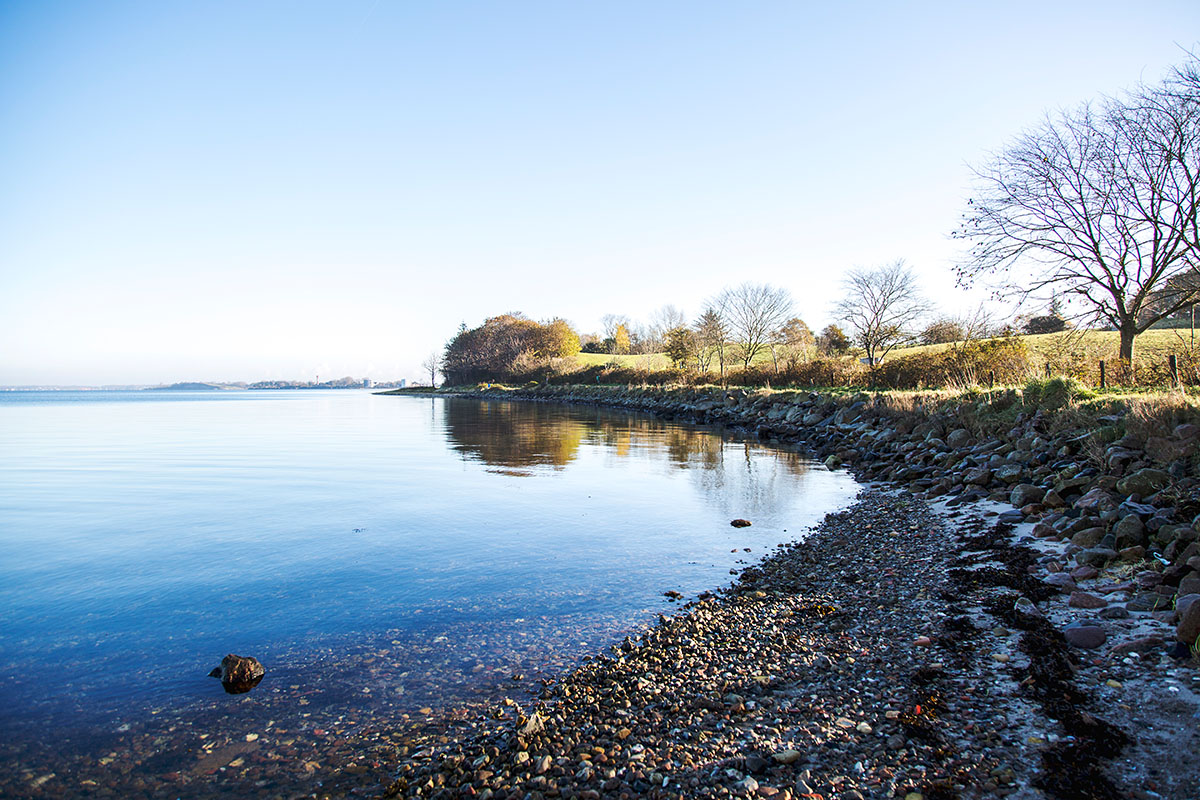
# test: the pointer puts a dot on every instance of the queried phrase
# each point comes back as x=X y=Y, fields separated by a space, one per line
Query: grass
x=645 y=361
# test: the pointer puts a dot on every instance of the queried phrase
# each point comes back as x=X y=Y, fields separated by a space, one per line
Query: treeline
x=747 y=335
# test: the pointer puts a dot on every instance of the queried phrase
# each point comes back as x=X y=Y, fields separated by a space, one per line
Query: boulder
x=1088 y=537
x=1188 y=629
x=1010 y=474
x=1095 y=556
x=1097 y=500
x=1129 y=531
x=238 y=674
x=1182 y=603
x=1025 y=493
x=1085 y=600
x=1190 y=585
x=1144 y=482
x=1087 y=636
x=958 y=438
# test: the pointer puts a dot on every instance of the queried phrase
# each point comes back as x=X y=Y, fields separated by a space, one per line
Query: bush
x=968 y=365
x=1055 y=392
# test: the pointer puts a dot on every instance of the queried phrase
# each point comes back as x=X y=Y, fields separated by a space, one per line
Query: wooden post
x=1173 y=365
x=1047 y=369
x=991 y=378
x=1103 y=377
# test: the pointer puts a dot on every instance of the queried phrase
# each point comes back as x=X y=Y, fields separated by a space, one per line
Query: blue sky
x=278 y=190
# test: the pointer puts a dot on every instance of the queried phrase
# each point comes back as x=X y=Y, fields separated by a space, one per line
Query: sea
x=385 y=558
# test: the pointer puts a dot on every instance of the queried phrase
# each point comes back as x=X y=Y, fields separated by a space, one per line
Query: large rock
x=1190 y=585
x=1097 y=500
x=1144 y=482
x=1085 y=600
x=1025 y=493
x=1088 y=636
x=1129 y=531
x=1188 y=629
x=1095 y=556
x=1010 y=474
x=238 y=674
x=1088 y=537
x=958 y=438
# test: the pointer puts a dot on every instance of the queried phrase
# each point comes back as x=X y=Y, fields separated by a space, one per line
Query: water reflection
x=519 y=438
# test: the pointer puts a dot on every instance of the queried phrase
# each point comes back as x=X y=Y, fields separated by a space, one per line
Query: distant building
x=403 y=382
x=368 y=383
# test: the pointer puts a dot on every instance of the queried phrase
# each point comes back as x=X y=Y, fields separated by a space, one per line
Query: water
x=379 y=555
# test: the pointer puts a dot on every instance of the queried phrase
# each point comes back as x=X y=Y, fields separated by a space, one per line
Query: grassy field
x=647 y=361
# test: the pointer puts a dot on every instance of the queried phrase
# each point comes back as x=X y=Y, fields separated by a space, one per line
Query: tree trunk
x=1128 y=331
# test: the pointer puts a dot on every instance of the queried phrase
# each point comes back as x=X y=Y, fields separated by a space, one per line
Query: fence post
x=1103 y=377
x=1047 y=369
x=1173 y=364
x=991 y=378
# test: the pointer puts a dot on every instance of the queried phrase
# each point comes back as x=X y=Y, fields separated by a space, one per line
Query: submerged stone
x=238 y=674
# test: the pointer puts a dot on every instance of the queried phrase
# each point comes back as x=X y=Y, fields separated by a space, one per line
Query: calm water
x=377 y=553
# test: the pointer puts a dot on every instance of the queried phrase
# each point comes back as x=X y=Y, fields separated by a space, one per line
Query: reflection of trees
x=513 y=436
x=741 y=477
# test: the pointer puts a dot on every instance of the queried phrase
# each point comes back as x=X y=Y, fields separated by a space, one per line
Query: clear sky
x=246 y=190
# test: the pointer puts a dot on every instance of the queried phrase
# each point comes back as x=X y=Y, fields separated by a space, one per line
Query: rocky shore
x=1004 y=613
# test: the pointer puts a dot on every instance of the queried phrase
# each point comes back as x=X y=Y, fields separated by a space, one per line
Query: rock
x=1148 y=601
x=1143 y=645
x=979 y=476
x=534 y=724
x=787 y=756
x=1190 y=584
x=1188 y=629
x=1084 y=635
x=833 y=462
x=958 y=438
x=1061 y=580
x=1144 y=482
x=1132 y=554
x=1025 y=493
x=1182 y=602
x=1010 y=474
x=1097 y=500
x=238 y=674
x=1114 y=612
x=1088 y=537
x=1129 y=531
x=1086 y=572
x=1095 y=556
x=1053 y=499
x=740 y=523
x=1085 y=600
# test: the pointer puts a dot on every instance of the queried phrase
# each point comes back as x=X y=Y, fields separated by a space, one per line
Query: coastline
x=889 y=655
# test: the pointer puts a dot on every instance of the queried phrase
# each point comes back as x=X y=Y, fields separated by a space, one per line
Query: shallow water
x=379 y=555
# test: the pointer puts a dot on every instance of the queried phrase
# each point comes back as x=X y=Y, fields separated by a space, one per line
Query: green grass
x=649 y=361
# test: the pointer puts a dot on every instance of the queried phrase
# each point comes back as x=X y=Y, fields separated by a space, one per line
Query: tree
x=1097 y=204
x=556 y=339
x=880 y=306
x=433 y=365
x=681 y=345
x=833 y=341
x=943 y=331
x=621 y=339
x=711 y=335
x=753 y=313
x=796 y=340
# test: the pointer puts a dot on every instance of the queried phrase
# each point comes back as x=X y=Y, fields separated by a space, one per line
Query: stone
x=958 y=438
x=787 y=756
x=1095 y=556
x=740 y=523
x=1129 y=531
x=1088 y=537
x=1190 y=584
x=1142 y=645
x=1025 y=493
x=1181 y=604
x=1010 y=474
x=1097 y=500
x=238 y=674
x=1114 y=612
x=1053 y=499
x=833 y=462
x=979 y=476
x=1086 y=572
x=1084 y=635
x=1085 y=600
x=1144 y=482
x=1188 y=629
x=1148 y=601
x=1061 y=580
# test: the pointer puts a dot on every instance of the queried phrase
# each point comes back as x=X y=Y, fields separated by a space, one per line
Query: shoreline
x=929 y=601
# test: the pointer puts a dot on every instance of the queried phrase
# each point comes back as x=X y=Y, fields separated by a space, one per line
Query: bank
x=993 y=617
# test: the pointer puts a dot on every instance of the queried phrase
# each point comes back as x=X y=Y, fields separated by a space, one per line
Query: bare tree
x=880 y=307
x=432 y=364
x=754 y=313
x=1097 y=204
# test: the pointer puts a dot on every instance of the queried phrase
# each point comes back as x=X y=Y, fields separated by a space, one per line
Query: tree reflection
x=740 y=476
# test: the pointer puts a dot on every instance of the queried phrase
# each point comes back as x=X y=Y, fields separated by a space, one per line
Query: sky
x=259 y=190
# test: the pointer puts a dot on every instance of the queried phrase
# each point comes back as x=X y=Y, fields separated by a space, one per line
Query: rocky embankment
x=918 y=645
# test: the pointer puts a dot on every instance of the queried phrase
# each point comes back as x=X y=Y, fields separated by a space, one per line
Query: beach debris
x=740 y=523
